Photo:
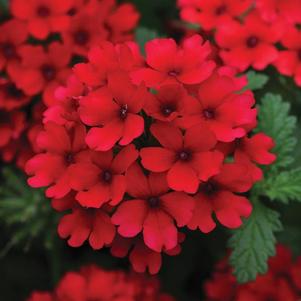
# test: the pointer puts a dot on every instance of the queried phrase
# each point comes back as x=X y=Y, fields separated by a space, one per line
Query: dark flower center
x=209 y=188
x=12 y=91
x=123 y=112
x=69 y=158
x=4 y=117
x=43 y=11
x=208 y=114
x=48 y=72
x=8 y=50
x=184 y=155
x=221 y=10
x=81 y=37
x=166 y=110
x=107 y=176
x=252 y=41
x=154 y=201
x=174 y=72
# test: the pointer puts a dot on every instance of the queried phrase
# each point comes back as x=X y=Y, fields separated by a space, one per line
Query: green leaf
x=284 y=187
x=24 y=210
x=143 y=35
x=254 y=242
x=256 y=80
x=275 y=121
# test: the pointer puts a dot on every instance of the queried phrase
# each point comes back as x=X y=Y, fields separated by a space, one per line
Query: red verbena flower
x=94 y=283
x=102 y=179
x=115 y=108
x=212 y=13
x=62 y=149
x=289 y=60
x=250 y=43
x=13 y=34
x=43 y=16
x=153 y=210
x=168 y=63
x=218 y=196
x=223 y=111
x=186 y=160
x=279 y=283
x=45 y=73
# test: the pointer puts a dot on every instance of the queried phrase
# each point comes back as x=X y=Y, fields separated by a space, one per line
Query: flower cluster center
x=43 y=11
x=8 y=50
x=154 y=201
x=81 y=37
x=252 y=41
x=48 y=72
x=107 y=176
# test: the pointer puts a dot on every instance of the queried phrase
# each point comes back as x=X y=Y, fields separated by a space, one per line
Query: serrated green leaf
x=256 y=80
x=254 y=243
x=143 y=35
x=275 y=121
x=284 y=187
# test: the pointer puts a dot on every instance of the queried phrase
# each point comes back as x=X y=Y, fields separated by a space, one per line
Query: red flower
x=102 y=179
x=250 y=43
x=116 y=109
x=13 y=34
x=86 y=29
x=43 y=74
x=217 y=195
x=105 y=59
x=169 y=63
x=153 y=210
x=87 y=224
x=43 y=16
x=141 y=257
x=271 y=10
x=225 y=112
x=65 y=110
x=62 y=149
x=168 y=103
x=212 y=13
x=121 y=22
x=11 y=97
x=187 y=159
x=277 y=284
x=289 y=60
x=255 y=149
x=93 y=283
x=40 y=296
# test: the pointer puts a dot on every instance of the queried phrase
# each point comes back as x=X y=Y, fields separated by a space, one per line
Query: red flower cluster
x=93 y=283
x=252 y=33
x=136 y=149
x=282 y=281
x=38 y=44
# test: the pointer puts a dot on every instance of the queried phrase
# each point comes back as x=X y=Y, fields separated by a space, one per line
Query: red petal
x=157 y=159
x=130 y=217
x=202 y=214
x=159 y=231
x=75 y=225
x=181 y=177
x=118 y=189
x=229 y=208
x=124 y=159
x=98 y=107
x=133 y=128
x=168 y=135
x=103 y=139
x=179 y=205
x=157 y=183
x=94 y=197
x=207 y=164
x=199 y=138
x=54 y=139
x=137 y=184
x=103 y=231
